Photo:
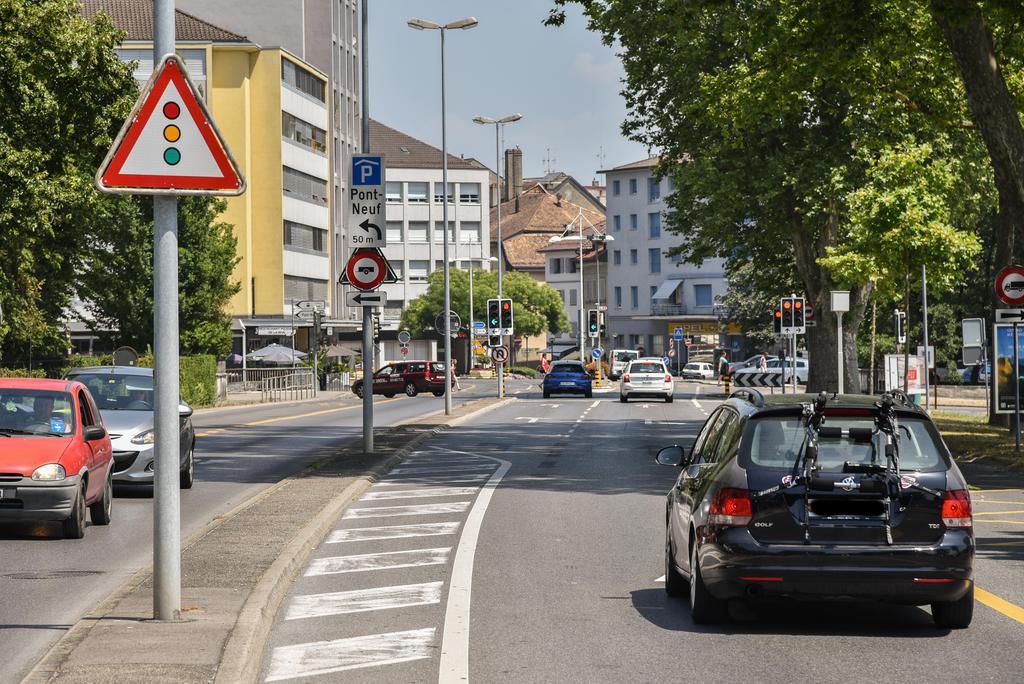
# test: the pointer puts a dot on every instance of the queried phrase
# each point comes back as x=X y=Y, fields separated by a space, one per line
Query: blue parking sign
x=366 y=169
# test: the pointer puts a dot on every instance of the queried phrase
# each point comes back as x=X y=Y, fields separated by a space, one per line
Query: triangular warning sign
x=389 y=273
x=169 y=144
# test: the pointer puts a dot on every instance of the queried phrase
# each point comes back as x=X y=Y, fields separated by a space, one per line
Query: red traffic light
x=506 y=305
x=786 y=303
x=798 y=303
x=778 y=313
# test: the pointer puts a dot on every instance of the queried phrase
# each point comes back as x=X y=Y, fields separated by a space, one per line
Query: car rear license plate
x=567 y=384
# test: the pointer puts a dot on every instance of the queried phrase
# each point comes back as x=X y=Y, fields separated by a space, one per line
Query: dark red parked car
x=411 y=377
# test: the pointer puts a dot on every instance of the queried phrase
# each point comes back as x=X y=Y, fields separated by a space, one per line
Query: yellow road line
x=1008 y=609
x=979 y=489
x=1014 y=522
x=267 y=421
x=996 y=501
x=1000 y=512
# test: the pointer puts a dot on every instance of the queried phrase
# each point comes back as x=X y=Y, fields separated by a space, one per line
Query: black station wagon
x=825 y=497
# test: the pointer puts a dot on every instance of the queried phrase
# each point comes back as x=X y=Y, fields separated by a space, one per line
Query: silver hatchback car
x=124 y=395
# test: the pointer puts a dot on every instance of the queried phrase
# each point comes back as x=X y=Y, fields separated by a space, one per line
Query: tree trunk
x=874 y=333
x=970 y=42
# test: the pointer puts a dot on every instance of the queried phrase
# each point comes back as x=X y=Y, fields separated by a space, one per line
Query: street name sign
x=307 y=315
x=770 y=379
x=317 y=305
x=1010 y=285
x=365 y=226
x=274 y=331
x=373 y=299
x=499 y=354
x=169 y=144
x=367 y=269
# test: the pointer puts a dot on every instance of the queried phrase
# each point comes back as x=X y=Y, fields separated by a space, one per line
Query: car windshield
x=777 y=442
x=692 y=366
x=36 y=412
x=567 y=368
x=437 y=367
x=626 y=356
x=646 y=368
x=114 y=392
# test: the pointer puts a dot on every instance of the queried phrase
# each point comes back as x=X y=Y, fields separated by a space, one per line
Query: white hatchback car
x=700 y=371
x=646 y=377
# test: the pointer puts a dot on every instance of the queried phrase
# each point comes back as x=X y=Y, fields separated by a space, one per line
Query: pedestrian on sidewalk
x=545 y=366
x=455 y=378
x=762 y=363
x=723 y=367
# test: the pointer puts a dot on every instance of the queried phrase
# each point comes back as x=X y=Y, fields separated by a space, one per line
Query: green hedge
x=199 y=379
x=21 y=373
x=523 y=370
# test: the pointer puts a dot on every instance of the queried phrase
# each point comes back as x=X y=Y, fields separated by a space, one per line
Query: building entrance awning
x=667 y=289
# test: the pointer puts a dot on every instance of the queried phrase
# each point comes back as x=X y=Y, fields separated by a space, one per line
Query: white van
x=620 y=359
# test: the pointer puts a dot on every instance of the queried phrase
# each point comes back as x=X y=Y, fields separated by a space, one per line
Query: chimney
x=513 y=173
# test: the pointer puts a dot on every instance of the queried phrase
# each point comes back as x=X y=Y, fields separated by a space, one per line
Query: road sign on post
x=677 y=333
x=770 y=379
x=365 y=206
x=375 y=299
x=1010 y=285
x=455 y=322
x=499 y=354
x=367 y=269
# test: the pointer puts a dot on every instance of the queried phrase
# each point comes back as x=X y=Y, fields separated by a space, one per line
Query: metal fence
x=338 y=382
x=296 y=385
x=251 y=379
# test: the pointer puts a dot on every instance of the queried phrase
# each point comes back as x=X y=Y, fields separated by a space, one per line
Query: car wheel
x=438 y=394
x=668 y=399
x=188 y=474
x=623 y=398
x=99 y=512
x=955 y=614
x=359 y=391
x=74 y=526
x=675 y=584
x=547 y=395
x=410 y=390
x=388 y=395
x=589 y=394
x=705 y=609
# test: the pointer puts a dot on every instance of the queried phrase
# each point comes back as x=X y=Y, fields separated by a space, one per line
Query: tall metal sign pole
x=924 y=327
x=368 y=350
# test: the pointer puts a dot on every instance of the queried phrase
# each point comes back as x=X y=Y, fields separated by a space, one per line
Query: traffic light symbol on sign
x=493 y=316
x=592 y=322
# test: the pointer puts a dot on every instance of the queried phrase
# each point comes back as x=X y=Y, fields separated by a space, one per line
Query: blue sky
x=563 y=80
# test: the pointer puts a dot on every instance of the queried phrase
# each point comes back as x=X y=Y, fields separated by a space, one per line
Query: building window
x=573 y=265
x=632 y=186
x=633 y=223
x=304 y=237
x=418 y=232
x=634 y=297
x=394 y=231
x=297 y=289
x=654 y=258
x=302 y=80
x=305 y=187
x=633 y=257
x=653 y=290
x=398 y=267
x=417 y=193
x=469 y=232
x=617 y=222
x=439 y=231
x=573 y=297
x=439 y=193
x=418 y=270
x=702 y=295
x=654 y=225
x=556 y=265
x=305 y=134
x=469 y=193
x=618 y=297
x=653 y=190
x=617 y=257
x=393 y=191
x=616 y=187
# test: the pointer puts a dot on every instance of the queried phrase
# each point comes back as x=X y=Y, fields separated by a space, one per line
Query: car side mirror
x=184 y=410
x=93 y=433
x=674 y=456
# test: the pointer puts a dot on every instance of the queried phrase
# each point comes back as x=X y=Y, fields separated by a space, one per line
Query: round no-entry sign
x=367 y=269
x=1010 y=285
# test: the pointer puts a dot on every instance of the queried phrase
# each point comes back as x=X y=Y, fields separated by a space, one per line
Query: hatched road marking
x=365 y=562
x=418 y=493
x=395 y=511
x=393 y=532
x=364 y=600
x=323 y=657
x=442 y=469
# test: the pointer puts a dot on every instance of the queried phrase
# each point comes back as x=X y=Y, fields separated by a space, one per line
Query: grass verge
x=972 y=438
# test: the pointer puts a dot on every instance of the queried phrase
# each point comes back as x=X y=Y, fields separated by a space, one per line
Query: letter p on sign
x=366 y=170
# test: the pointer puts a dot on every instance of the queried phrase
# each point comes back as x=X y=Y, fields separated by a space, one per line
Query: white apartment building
x=414 y=215
x=649 y=294
x=562 y=272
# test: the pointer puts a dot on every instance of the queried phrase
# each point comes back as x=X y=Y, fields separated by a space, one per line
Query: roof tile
x=135 y=17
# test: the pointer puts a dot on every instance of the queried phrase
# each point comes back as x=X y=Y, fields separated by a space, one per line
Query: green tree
x=537 y=307
x=64 y=96
x=117 y=283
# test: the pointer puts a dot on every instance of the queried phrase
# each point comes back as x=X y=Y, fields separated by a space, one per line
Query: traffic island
x=235 y=575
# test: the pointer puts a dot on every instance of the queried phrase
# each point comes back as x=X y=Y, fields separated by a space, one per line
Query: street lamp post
x=421 y=25
x=499 y=128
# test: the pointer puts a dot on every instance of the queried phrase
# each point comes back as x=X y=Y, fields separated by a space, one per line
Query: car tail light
x=730 y=507
x=625 y=378
x=956 y=508
x=668 y=378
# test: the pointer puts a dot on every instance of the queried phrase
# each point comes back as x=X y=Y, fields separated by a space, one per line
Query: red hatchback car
x=411 y=377
x=55 y=454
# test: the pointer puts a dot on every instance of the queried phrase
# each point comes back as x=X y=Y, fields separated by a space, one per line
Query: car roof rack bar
x=751 y=395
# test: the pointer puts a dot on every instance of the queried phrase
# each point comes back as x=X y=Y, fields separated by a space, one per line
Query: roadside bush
x=953 y=377
x=198 y=379
x=21 y=373
x=523 y=370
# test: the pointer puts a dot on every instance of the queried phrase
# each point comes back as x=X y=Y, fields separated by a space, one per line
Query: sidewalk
x=235 y=574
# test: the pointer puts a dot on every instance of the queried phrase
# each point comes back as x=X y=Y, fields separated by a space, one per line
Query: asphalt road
x=540 y=525
x=47 y=583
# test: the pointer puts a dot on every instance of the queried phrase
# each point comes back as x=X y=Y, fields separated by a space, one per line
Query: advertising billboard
x=1003 y=365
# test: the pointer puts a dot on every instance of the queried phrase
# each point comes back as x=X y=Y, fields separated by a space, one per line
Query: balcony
x=667 y=309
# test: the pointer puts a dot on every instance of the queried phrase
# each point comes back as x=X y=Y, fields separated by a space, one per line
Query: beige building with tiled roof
x=135 y=18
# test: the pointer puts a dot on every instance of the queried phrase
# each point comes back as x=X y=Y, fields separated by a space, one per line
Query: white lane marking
x=432 y=480
x=395 y=511
x=595 y=404
x=393 y=532
x=365 y=562
x=660 y=579
x=648 y=421
x=531 y=420
x=696 y=403
x=364 y=600
x=645 y=406
x=442 y=469
x=454 y=665
x=554 y=406
x=209 y=461
x=323 y=657
x=418 y=493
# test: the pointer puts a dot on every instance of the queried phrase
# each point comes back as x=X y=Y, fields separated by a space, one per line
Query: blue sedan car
x=568 y=377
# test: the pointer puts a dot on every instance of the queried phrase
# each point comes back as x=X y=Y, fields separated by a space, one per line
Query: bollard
x=727 y=380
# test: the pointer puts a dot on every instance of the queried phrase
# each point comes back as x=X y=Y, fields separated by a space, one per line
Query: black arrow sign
x=758 y=379
x=367 y=226
x=1006 y=314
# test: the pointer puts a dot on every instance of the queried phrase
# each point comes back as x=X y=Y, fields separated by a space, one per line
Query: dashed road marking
x=530 y=420
x=393 y=532
x=432 y=479
x=364 y=600
x=595 y=404
x=418 y=493
x=323 y=657
x=366 y=562
x=397 y=511
x=440 y=469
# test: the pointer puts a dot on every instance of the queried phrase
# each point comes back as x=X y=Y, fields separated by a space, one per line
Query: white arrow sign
x=1010 y=316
